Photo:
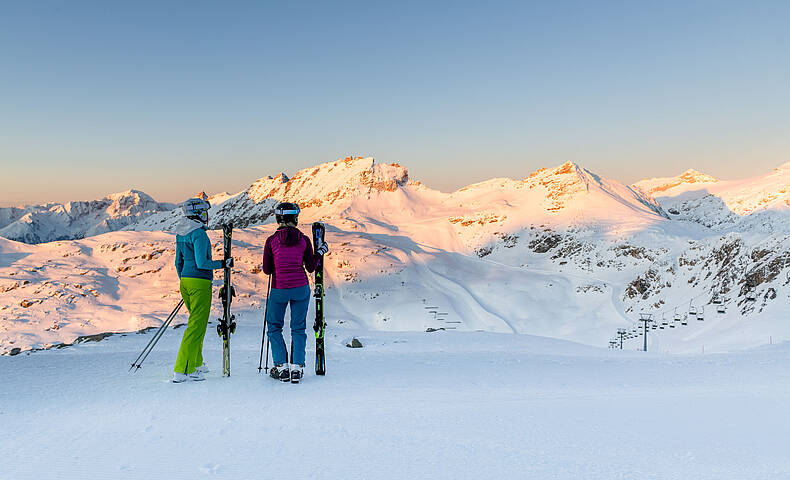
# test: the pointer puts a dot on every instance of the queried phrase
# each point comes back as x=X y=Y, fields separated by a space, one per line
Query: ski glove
x=322 y=249
x=227 y=263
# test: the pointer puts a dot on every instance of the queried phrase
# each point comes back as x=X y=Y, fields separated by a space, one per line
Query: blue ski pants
x=279 y=298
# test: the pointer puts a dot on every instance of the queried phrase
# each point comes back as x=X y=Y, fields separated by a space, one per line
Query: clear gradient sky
x=172 y=97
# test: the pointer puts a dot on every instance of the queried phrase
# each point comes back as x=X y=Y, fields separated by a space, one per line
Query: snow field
x=407 y=405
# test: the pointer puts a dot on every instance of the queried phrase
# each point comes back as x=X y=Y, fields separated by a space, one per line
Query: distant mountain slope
x=51 y=222
x=760 y=203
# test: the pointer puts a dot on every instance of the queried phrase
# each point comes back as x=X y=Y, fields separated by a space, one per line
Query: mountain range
x=562 y=253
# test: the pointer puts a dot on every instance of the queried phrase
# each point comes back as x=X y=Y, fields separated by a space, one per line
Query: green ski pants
x=196 y=293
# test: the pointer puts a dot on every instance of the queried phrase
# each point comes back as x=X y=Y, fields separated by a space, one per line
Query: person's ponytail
x=292 y=235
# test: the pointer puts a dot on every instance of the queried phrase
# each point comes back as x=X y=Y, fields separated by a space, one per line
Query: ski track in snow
x=408 y=405
x=474 y=306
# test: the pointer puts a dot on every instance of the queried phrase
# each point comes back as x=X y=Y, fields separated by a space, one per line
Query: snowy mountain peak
x=130 y=202
x=330 y=182
x=690 y=178
x=54 y=221
x=694 y=176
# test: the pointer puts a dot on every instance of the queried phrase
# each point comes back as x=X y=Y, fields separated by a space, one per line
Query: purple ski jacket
x=288 y=262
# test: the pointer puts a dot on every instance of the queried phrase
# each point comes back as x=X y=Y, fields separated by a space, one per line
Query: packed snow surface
x=443 y=405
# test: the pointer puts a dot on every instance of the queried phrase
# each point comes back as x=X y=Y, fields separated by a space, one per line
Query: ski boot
x=179 y=377
x=280 y=372
x=297 y=372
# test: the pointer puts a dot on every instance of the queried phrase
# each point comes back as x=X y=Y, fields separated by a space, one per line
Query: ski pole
x=157 y=335
x=263 y=336
x=267 y=356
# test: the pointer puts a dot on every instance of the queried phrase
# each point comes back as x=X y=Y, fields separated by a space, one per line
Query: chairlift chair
x=716 y=300
x=701 y=314
x=722 y=308
x=685 y=320
x=692 y=310
x=677 y=316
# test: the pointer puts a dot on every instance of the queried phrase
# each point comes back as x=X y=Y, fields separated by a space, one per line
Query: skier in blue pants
x=288 y=252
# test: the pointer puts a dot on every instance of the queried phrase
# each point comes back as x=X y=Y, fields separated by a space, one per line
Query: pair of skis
x=319 y=326
x=227 y=324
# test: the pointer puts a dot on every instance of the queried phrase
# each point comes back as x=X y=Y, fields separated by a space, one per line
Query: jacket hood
x=185 y=226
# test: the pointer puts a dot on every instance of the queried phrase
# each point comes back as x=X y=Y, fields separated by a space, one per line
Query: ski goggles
x=290 y=211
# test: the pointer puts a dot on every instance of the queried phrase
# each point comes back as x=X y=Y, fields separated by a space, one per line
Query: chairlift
x=653 y=326
x=701 y=314
x=677 y=316
x=692 y=309
x=722 y=308
x=685 y=320
x=664 y=321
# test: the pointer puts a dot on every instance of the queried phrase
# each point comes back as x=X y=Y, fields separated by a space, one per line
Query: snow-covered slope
x=754 y=204
x=51 y=222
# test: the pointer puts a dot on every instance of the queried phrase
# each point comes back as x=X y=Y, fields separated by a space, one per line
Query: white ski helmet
x=196 y=208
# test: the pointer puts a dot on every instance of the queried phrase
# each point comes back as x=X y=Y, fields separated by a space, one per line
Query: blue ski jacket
x=193 y=252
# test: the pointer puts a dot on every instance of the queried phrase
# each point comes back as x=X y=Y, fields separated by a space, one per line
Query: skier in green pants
x=195 y=269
